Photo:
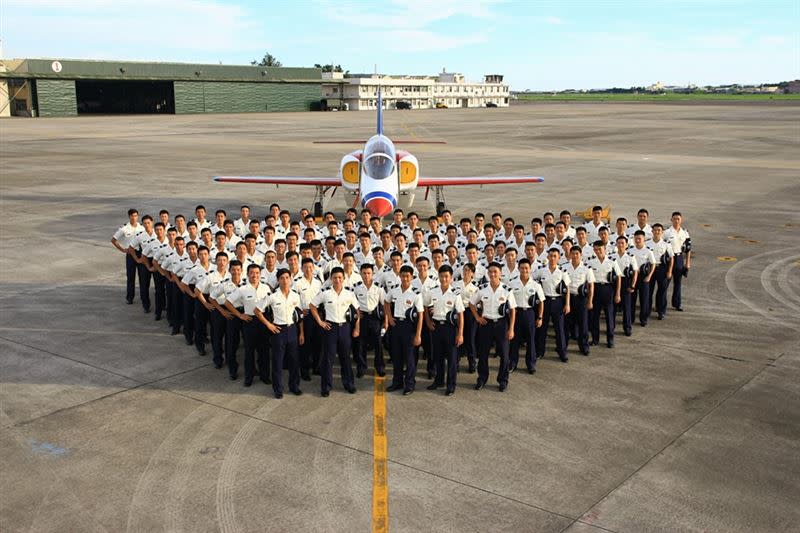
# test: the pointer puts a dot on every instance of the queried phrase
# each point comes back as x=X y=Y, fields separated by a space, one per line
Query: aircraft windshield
x=379 y=166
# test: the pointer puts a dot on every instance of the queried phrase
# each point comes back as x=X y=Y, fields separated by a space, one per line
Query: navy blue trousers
x=404 y=364
x=603 y=303
x=445 y=353
x=336 y=341
x=493 y=334
x=524 y=332
x=553 y=314
x=284 y=349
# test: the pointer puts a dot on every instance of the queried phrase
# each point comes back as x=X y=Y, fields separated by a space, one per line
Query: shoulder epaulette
x=416 y=290
x=358 y=283
x=348 y=288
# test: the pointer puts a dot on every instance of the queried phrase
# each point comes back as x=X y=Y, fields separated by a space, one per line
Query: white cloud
x=128 y=30
x=380 y=24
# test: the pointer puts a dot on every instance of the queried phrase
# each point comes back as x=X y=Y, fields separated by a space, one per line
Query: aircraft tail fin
x=380 y=112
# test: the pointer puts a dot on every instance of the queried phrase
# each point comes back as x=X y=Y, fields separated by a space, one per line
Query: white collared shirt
x=602 y=269
x=578 y=276
x=369 y=298
x=336 y=305
x=523 y=291
x=404 y=300
x=442 y=302
x=492 y=299
x=550 y=280
x=283 y=306
x=126 y=233
x=307 y=289
x=250 y=297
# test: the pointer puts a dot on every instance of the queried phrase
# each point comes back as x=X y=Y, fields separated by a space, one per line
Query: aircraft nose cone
x=379 y=207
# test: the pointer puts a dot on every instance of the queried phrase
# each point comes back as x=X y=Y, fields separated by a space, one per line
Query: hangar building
x=66 y=87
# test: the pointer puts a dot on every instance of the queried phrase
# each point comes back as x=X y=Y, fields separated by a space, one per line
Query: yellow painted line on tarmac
x=726 y=259
x=380 y=453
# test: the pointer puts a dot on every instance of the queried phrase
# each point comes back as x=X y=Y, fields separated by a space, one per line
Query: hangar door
x=124 y=97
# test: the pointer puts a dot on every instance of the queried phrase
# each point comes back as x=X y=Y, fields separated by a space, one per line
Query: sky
x=536 y=45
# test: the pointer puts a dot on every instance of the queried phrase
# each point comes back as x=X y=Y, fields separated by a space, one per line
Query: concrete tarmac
x=692 y=424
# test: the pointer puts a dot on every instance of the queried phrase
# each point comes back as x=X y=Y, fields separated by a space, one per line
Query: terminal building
x=359 y=91
x=66 y=87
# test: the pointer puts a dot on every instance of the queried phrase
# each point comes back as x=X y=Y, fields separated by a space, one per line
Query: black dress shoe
x=628 y=333
x=585 y=352
x=430 y=374
x=266 y=381
x=478 y=386
x=175 y=332
x=233 y=377
x=408 y=392
x=661 y=317
x=201 y=352
x=381 y=372
x=157 y=318
x=217 y=365
x=502 y=387
x=297 y=392
x=678 y=308
x=610 y=344
x=146 y=310
x=360 y=374
x=471 y=369
x=325 y=394
x=305 y=376
x=351 y=390
x=392 y=388
x=563 y=359
x=189 y=343
x=449 y=393
x=278 y=395
x=433 y=386
x=248 y=382
x=512 y=369
x=643 y=324
x=129 y=302
x=531 y=371
x=593 y=343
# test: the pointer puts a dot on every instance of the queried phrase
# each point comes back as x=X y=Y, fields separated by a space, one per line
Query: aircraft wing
x=476 y=180
x=282 y=180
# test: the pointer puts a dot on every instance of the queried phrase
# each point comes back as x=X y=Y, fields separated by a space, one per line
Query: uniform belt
x=493 y=320
x=552 y=297
x=443 y=321
x=337 y=323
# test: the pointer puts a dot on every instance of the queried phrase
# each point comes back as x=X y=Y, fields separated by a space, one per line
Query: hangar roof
x=135 y=70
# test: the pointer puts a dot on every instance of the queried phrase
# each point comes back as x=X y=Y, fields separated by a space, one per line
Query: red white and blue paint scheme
x=379 y=177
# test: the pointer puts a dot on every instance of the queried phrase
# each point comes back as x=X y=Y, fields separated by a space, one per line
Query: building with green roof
x=67 y=87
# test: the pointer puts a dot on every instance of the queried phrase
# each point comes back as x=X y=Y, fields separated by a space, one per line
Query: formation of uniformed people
x=299 y=297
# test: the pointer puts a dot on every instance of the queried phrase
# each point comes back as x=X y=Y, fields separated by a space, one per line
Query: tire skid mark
x=732 y=285
x=148 y=477
x=783 y=279
x=226 y=480
x=184 y=467
x=767 y=282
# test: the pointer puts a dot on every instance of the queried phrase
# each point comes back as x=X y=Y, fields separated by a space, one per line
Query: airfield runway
x=693 y=424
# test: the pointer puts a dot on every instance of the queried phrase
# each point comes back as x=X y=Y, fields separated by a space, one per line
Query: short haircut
x=253 y=266
x=446 y=269
x=234 y=263
x=337 y=270
x=406 y=269
x=366 y=266
x=133 y=212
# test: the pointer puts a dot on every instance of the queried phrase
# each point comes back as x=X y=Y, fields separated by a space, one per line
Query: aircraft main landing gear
x=440 y=207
